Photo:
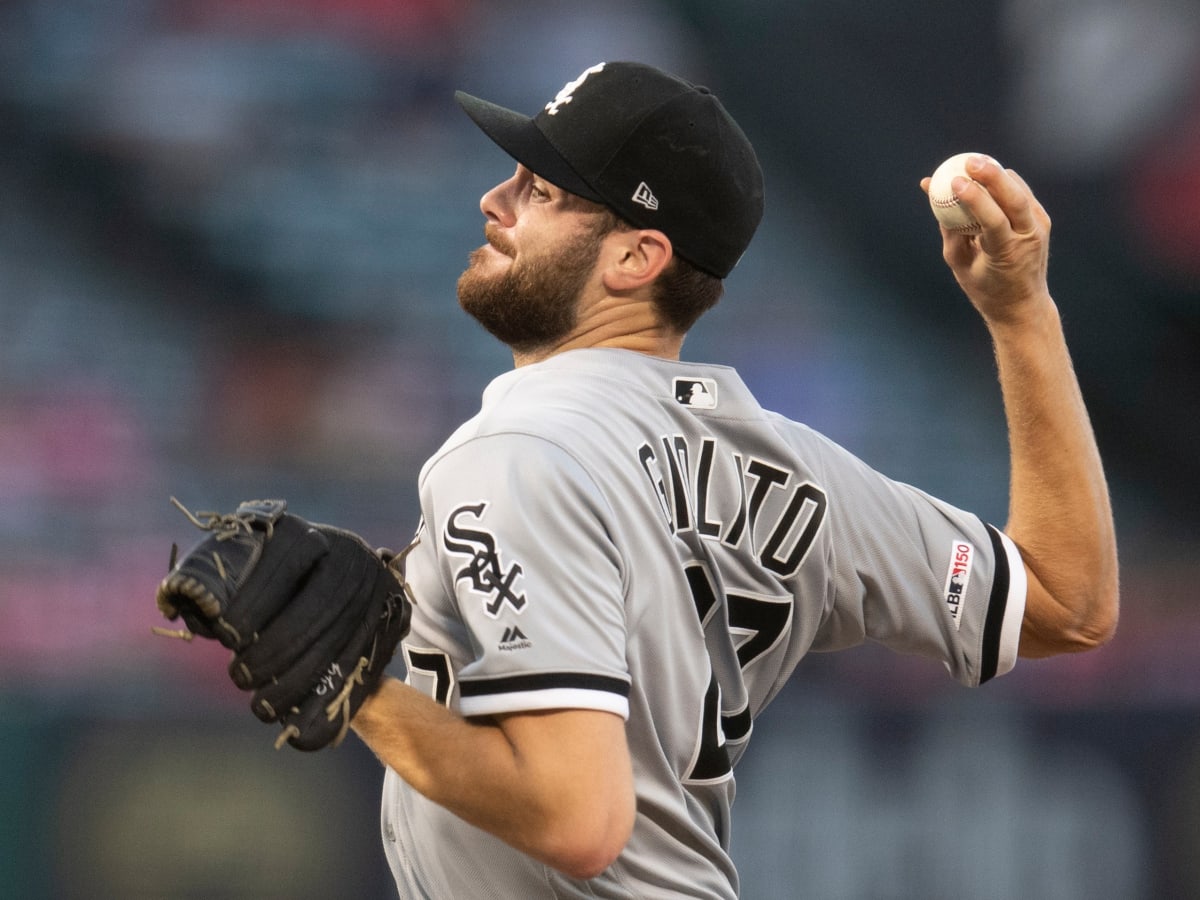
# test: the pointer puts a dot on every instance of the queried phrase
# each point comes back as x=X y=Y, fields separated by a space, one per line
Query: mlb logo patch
x=958 y=578
x=698 y=393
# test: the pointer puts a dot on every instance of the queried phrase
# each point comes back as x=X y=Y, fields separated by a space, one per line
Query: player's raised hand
x=1002 y=269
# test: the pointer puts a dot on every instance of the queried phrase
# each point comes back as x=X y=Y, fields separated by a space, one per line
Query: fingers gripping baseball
x=1002 y=267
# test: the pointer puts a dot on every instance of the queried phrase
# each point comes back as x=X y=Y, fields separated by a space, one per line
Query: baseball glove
x=311 y=613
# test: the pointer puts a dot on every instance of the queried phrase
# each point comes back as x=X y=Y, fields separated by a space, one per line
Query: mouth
x=497 y=242
x=488 y=257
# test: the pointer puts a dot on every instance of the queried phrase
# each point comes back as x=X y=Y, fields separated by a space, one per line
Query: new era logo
x=645 y=196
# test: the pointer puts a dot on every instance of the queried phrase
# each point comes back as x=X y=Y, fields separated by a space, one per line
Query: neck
x=667 y=349
x=616 y=325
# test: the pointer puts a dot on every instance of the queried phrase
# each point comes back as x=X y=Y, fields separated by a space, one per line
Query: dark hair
x=683 y=292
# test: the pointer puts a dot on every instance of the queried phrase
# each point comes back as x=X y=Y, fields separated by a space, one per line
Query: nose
x=496 y=205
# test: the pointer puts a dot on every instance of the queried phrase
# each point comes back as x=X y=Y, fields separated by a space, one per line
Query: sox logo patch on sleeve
x=484 y=570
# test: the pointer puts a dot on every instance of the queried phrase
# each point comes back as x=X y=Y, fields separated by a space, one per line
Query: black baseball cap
x=658 y=151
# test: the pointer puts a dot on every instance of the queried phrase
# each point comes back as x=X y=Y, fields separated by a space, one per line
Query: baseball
x=949 y=212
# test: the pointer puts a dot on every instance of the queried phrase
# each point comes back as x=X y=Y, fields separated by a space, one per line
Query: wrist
x=1033 y=314
x=368 y=714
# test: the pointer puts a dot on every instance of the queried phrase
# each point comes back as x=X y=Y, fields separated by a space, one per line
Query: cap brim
x=519 y=137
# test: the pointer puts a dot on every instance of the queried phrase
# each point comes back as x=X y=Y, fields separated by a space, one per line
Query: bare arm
x=557 y=785
x=1059 y=512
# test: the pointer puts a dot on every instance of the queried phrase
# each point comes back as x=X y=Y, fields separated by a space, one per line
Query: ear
x=635 y=258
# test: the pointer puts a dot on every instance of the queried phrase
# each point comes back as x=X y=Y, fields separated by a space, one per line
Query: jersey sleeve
x=918 y=575
x=522 y=551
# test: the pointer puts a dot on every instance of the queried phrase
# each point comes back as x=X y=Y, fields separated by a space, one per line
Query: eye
x=538 y=192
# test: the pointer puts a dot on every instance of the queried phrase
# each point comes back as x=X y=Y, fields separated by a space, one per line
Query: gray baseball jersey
x=625 y=533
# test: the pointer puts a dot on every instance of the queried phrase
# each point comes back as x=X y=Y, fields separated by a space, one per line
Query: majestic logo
x=567 y=94
x=485 y=571
x=514 y=639
x=698 y=392
x=645 y=196
x=958 y=576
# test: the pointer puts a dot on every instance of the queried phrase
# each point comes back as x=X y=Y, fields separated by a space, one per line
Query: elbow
x=1073 y=612
x=1090 y=636
x=584 y=849
x=1098 y=630
x=588 y=862
x=1094 y=628
x=1098 y=625
x=1060 y=632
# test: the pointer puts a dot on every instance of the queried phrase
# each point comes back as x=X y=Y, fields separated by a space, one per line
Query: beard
x=534 y=303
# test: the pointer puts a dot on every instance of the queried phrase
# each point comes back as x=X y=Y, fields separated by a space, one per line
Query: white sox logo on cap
x=567 y=94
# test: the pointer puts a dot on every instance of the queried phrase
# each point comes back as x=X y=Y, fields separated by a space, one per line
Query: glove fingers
x=286 y=690
x=287 y=559
x=323 y=716
x=310 y=672
x=317 y=622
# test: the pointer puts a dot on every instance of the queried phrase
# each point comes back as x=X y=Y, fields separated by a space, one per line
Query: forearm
x=1059 y=516
x=533 y=782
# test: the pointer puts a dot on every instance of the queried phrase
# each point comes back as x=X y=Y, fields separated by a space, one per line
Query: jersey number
x=765 y=621
x=434 y=664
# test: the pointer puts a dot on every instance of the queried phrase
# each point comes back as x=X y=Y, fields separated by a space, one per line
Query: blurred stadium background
x=229 y=236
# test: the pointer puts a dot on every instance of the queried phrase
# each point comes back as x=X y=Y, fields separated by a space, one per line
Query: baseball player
x=623 y=557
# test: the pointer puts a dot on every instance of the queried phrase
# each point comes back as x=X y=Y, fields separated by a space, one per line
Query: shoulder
x=563 y=399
